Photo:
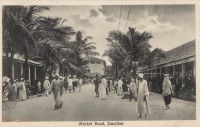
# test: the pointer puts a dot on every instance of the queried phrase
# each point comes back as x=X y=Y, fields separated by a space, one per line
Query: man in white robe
x=102 y=88
x=46 y=86
x=143 y=94
x=119 y=91
x=57 y=88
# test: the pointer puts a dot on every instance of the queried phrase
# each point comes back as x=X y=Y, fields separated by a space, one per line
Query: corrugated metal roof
x=22 y=60
x=181 y=52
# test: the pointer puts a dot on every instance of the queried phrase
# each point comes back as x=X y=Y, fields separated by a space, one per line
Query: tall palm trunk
x=8 y=65
x=116 y=69
x=26 y=67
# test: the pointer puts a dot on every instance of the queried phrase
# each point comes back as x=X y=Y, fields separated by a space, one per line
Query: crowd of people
x=136 y=87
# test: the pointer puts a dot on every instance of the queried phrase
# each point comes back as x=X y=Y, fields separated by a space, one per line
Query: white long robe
x=46 y=87
x=22 y=91
x=102 y=89
x=143 y=106
x=119 y=91
x=133 y=88
x=70 y=85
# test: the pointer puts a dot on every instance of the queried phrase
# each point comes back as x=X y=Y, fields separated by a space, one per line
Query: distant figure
x=167 y=91
x=115 y=85
x=74 y=83
x=57 y=88
x=80 y=83
x=143 y=93
x=133 y=89
x=119 y=91
x=65 y=85
x=39 y=88
x=46 y=86
x=102 y=88
x=22 y=90
x=97 y=81
x=70 y=85
x=28 y=87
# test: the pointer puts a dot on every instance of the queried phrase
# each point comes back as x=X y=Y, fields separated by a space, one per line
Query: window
x=92 y=62
x=98 y=62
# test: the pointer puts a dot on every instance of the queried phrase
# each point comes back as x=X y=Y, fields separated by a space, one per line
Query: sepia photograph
x=98 y=64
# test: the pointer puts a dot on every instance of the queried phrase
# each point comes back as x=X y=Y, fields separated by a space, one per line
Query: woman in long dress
x=70 y=85
x=119 y=89
x=133 y=89
x=46 y=86
x=143 y=94
x=167 y=91
x=22 y=91
x=102 y=88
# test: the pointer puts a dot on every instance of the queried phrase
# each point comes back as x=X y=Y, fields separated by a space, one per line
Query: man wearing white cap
x=57 y=88
x=46 y=85
x=143 y=93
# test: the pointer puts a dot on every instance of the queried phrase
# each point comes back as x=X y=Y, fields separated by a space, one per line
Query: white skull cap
x=56 y=74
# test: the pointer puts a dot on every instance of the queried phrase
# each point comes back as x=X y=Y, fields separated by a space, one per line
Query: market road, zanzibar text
x=100 y=123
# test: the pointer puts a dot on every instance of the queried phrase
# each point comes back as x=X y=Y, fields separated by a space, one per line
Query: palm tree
x=117 y=55
x=83 y=49
x=16 y=30
x=53 y=40
x=137 y=47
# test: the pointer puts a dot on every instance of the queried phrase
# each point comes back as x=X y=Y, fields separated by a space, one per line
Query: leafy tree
x=136 y=49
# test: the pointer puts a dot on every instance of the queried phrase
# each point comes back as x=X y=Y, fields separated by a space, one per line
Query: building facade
x=96 y=66
x=180 y=64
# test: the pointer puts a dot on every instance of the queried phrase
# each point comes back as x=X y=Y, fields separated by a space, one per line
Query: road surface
x=84 y=106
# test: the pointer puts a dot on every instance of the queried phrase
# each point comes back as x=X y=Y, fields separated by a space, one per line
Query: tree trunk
x=45 y=71
x=8 y=64
x=116 y=71
x=130 y=64
x=26 y=67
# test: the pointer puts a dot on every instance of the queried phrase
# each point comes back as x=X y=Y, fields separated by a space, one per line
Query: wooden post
x=13 y=70
x=194 y=68
x=183 y=75
x=29 y=72
x=174 y=70
x=160 y=72
x=35 y=73
x=22 y=69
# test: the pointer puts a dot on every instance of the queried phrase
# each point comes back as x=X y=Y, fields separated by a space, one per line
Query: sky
x=170 y=25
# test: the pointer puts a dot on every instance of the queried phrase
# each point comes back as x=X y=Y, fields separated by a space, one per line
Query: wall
x=96 y=68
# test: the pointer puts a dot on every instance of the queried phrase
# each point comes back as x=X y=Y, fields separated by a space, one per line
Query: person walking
x=39 y=88
x=70 y=85
x=46 y=85
x=142 y=100
x=28 y=87
x=133 y=89
x=96 y=83
x=22 y=90
x=74 y=83
x=119 y=90
x=115 y=85
x=80 y=83
x=65 y=85
x=102 y=88
x=167 y=91
x=57 y=89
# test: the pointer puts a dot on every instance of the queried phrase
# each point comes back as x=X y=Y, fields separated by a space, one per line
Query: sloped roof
x=95 y=59
x=181 y=52
x=22 y=60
